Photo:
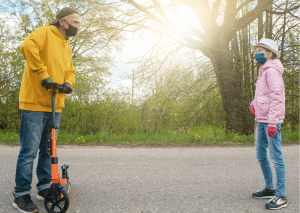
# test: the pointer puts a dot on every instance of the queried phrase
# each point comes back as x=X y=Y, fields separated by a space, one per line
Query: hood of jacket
x=275 y=63
x=56 y=31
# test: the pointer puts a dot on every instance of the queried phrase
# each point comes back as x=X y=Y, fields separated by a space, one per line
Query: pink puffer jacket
x=269 y=100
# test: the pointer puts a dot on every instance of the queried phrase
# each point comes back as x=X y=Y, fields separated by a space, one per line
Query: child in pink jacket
x=268 y=107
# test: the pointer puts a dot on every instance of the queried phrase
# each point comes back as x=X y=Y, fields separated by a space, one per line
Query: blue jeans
x=35 y=129
x=274 y=143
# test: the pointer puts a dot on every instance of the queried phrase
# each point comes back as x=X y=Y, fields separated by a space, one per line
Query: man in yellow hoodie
x=48 y=56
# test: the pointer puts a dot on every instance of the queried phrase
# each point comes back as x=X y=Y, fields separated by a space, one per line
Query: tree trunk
x=267 y=25
x=246 y=92
x=283 y=34
x=260 y=26
x=229 y=85
x=271 y=22
x=236 y=57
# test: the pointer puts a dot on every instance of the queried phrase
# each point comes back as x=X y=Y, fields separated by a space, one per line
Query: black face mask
x=71 y=31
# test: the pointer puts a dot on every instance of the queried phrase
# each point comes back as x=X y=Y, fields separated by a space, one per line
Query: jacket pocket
x=45 y=99
x=60 y=100
x=263 y=104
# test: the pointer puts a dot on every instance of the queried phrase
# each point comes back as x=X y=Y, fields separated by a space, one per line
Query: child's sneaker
x=41 y=195
x=277 y=203
x=25 y=205
x=264 y=193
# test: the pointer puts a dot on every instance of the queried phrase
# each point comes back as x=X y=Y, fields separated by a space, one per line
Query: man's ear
x=60 y=22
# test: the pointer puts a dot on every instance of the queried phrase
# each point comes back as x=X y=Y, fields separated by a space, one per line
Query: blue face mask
x=260 y=58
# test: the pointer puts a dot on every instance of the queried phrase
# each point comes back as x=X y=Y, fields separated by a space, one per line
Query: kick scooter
x=56 y=197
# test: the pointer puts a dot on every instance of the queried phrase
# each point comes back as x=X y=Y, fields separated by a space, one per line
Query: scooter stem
x=53 y=105
x=54 y=160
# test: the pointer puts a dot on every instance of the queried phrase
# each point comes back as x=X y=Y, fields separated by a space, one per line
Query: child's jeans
x=274 y=143
x=35 y=127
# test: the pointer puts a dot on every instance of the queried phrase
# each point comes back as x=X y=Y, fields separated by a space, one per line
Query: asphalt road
x=144 y=180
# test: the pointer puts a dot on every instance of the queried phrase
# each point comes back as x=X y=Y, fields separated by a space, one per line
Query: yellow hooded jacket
x=47 y=54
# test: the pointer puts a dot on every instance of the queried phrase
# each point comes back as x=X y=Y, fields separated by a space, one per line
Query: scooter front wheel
x=57 y=201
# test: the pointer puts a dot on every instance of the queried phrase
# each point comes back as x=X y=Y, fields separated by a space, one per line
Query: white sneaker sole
x=266 y=197
x=280 y=207
x=22 y=211
x=40 y=198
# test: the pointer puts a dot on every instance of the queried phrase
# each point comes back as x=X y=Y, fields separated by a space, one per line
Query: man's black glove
x=67 y=88
x=47 y=83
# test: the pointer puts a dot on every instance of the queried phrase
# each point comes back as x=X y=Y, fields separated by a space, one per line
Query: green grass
x=202 y=135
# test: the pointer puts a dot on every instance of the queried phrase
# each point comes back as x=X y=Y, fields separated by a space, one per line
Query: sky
x=132 y=48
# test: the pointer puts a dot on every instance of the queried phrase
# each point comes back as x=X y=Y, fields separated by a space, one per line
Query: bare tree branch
x=248 y=18
x=192 y=29
x=173 y=29
x=284 y=11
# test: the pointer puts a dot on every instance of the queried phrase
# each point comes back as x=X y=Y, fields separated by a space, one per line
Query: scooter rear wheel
x=57 y=201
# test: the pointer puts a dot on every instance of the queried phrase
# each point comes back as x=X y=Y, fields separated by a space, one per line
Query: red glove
x=272 y=129
x=252 y=110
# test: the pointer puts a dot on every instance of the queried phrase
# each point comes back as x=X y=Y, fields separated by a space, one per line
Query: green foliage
x=11 y=70
x=112 y=116
x=291 y=79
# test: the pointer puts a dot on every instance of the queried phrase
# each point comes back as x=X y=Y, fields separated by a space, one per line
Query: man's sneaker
x=25 y=205
x=277 y=203
x=264 y=193
x=41 y=195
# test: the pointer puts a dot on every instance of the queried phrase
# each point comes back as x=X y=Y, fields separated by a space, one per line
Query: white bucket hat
x=268 y=44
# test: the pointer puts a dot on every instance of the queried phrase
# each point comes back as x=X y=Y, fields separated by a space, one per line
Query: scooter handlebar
x=56 y=86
